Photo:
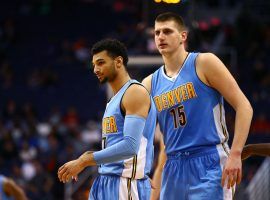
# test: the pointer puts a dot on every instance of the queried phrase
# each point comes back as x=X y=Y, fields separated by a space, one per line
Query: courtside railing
x=259 y=186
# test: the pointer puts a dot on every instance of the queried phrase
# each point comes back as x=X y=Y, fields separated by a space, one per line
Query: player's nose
x=96 y=69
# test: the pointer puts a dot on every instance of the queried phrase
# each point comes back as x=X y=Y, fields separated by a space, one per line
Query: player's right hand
x=69 y=170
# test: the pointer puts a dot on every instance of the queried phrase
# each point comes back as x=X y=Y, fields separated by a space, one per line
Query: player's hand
x=232 y=172
x=155 y=194
x=155 y=191
x=152 y=183
x=75 y=178
x=69 y=171
x=245 y=153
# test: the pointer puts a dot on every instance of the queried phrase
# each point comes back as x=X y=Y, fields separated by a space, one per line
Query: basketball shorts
x=107 y=187
x=195 y=176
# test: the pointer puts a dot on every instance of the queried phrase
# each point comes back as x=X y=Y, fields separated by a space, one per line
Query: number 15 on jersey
x=179 y=116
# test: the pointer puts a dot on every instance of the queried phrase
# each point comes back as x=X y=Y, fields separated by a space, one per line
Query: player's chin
x=163 y=50
x=104 y=80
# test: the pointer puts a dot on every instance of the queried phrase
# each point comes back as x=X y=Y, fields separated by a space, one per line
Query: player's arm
x=13 y=190
x=214 y=73
x=147 y=82
x=156 y=181
x=136 y=104
x=262 y=149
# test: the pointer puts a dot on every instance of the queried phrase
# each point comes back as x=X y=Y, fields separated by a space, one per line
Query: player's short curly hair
x=113 y=47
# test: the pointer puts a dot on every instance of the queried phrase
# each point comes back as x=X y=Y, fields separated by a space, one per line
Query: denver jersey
x=138 y=166
x=190 y=113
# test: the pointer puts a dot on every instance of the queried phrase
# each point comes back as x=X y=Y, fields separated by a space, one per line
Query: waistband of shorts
x=192 y=153
x=117 y=176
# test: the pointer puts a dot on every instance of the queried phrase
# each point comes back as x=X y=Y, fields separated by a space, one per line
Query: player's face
x=104 y=67
x=167 y=36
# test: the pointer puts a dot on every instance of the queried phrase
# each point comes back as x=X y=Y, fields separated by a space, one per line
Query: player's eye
x=167 y=31
x=100 y=63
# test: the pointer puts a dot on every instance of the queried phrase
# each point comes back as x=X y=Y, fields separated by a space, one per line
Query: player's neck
x=174 y=62
x=118 y=82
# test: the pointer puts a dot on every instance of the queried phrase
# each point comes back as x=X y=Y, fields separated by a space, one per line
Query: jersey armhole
x=204 y=86
x=124 y=112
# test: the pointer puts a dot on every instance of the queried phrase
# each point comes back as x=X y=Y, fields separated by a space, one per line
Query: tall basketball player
x=188 y=92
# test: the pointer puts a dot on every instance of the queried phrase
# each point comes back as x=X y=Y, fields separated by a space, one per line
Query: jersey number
x=179 y=116
x=104 y=142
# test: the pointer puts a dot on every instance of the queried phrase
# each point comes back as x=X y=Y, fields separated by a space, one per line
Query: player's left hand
x=69 y=171
x=232 y=172
x=152 y=184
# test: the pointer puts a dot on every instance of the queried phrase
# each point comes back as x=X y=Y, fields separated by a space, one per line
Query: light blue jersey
x=192 y=119
x=3 y=196
x=185 y=103
x=139 y=166
x=127 y=179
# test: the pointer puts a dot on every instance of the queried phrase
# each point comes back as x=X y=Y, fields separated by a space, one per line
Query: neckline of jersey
x=118 y=91
x=175 y=77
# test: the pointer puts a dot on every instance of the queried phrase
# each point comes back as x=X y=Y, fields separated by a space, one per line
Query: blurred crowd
x=32 y=150
x=51 y=105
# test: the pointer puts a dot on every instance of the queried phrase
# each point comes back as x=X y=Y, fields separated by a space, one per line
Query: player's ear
x=183 y=35
x=119 y=61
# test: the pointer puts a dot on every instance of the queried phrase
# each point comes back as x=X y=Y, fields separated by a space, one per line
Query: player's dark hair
x=113 y=47
x=170 y=16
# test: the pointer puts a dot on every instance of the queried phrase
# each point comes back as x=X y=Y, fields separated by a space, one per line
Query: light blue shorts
x=195 y=176
x=107 y=187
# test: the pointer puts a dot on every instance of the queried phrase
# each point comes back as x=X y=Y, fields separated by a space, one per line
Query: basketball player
x=188 y=92
x=128 y=128
x=10 y=190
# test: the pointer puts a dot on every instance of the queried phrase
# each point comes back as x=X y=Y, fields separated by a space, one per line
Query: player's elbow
x=245 y=107
x=131 y=153
x=132 y=146
x=249 y=109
